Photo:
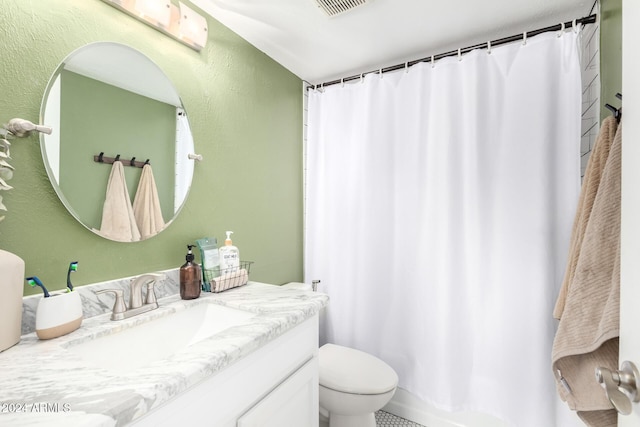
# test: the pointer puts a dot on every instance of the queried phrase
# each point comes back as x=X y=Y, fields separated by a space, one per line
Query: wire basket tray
x=219 y=279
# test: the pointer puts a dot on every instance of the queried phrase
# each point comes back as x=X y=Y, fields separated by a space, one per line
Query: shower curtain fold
x=438 y=216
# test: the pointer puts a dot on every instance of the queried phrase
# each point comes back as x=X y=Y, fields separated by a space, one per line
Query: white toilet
x=353 y=385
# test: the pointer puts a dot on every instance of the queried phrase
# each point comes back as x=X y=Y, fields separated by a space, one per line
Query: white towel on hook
x=146 y=205
x=118 y=222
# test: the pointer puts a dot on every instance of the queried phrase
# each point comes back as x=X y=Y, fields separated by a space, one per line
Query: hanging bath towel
x=146 y=205
x=587 y=336
x=590 y=185
x=118 y=222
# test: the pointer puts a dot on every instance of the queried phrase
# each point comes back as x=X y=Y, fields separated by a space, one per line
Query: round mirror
x=108 y=102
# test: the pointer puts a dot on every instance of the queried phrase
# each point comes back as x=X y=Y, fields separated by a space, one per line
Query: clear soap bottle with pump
x=229 y=256
x=190 y=277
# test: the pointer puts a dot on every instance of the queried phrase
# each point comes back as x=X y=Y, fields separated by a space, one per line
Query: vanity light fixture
x=179 y=22
x=154 y=11
x=193 y=27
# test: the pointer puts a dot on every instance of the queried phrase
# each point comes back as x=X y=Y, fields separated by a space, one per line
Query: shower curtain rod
x=586 y=20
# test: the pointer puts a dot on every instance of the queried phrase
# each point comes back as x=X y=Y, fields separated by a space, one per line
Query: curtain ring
x=561 y=32
x=406 y=67
x=361 y=80
x=575 y=26
x=489 y=47
x=342 y=81
x=433 y=63
x=524 y=38
x=459 y=54
x=380 y=72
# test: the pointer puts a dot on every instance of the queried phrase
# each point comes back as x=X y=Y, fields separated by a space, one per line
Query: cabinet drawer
x=293 y=403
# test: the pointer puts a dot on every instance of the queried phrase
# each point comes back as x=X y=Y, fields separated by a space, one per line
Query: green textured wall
x=245 y=113
x=610 y=54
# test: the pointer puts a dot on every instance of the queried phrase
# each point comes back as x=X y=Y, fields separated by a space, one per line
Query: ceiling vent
x=336 y=7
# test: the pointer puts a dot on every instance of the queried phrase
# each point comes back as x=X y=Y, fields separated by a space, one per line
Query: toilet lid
x=353 y=371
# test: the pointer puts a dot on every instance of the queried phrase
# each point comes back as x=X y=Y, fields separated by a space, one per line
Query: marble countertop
x=42 y=383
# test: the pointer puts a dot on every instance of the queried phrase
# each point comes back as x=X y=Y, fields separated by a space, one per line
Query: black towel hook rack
x=101 y=158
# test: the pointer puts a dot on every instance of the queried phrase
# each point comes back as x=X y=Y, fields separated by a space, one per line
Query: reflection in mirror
x=109 y=98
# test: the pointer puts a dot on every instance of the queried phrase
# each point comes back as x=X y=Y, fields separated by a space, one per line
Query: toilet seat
x=347 y=370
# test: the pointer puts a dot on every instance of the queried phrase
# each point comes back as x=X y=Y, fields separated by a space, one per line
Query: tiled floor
x=385 y=419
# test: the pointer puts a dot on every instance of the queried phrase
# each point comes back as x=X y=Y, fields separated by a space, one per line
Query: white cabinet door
x=219 y=400
x=293 y=403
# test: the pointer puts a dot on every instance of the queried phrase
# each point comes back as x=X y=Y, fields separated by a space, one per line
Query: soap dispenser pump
x=229 y=256
x=190 y=277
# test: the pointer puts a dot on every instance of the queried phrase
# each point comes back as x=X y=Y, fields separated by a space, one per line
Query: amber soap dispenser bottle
x=190 y=277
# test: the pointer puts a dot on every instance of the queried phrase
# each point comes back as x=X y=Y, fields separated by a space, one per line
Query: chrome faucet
x=136 y=306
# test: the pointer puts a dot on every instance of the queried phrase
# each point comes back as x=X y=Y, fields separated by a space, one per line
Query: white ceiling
x=380 y=33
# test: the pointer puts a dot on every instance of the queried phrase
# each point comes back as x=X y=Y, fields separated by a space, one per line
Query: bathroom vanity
x=250 y=361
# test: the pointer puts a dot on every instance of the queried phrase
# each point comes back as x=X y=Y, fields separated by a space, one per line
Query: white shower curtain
x=439 y=207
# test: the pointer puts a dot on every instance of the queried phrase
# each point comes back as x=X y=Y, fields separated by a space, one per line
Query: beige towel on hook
x=118 y=222
x=587 y=335
x=146 y=205
x=590 y=184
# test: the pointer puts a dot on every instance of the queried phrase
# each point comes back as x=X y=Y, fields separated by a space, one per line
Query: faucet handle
x=151 y=293
x=135 y=297
x=119 y=306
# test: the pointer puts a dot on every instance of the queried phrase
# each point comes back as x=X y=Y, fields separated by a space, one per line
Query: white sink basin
x=138 y=346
